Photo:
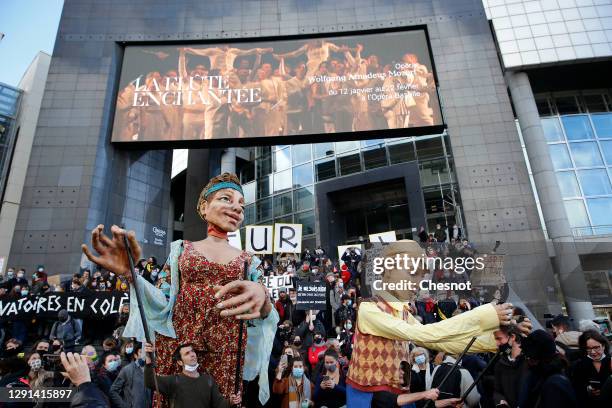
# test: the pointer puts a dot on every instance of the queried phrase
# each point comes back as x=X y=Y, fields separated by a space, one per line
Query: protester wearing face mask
x=294 y=387
x=510 y=369
x=547 y=385
x=308 y=328
x=39 y=378
x=190 y=388
x=318 y=347
x=128 y=390
x=163 y=283
x=346 y=339
x=67 y=329
x=422 y=369
x=90 y=355
x=335 y=295
x=330 y=386
x=107 y=371
x=21 y=279
x=346 y=311
x=590 y=373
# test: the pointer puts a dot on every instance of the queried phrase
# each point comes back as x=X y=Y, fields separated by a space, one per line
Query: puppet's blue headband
x=221 y=186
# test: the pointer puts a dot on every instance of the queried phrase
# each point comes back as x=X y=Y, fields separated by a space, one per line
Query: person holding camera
x=590 y=373
x=292 y=384
x=330 y=385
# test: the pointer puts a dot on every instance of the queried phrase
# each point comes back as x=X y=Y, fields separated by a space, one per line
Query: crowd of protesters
x=565 y=366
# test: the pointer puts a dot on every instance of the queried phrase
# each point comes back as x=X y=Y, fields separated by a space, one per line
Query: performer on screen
x=223 y=58
x=385 y=327
x=207 y=295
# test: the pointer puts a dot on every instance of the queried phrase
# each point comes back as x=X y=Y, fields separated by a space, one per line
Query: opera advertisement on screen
x=276 y=88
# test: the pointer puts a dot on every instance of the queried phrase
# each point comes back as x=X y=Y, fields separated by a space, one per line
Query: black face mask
x=317 y=339
x=11 y=352
x=505 y=348
x=297 y=343
x=56 y=347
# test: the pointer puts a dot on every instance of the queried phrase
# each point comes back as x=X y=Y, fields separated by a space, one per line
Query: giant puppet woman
x=208 y=296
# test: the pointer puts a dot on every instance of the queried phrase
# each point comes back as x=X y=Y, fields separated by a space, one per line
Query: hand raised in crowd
x=76 y=368
x=112 y=253
x=250 y=300
x=504 y=313
x=525 y=327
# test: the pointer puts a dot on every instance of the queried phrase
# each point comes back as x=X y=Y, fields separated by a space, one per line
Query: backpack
x=452 y=384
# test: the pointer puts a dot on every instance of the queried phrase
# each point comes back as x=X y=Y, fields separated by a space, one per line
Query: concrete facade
x=77 y=180
x=32 y=84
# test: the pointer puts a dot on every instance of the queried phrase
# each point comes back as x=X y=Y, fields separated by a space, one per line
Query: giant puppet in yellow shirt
x=385 y=327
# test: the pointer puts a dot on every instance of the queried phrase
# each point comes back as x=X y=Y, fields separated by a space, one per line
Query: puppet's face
x=225 y=209
x=397 y=275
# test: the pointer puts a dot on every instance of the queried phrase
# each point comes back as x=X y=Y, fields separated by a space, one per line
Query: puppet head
x=401 y=275
x=221 y=203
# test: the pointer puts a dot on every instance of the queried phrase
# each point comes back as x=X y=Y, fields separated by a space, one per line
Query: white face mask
x=35 y=364
x=191 y=368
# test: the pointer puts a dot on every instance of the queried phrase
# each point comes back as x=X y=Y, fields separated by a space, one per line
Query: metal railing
x=592 y=231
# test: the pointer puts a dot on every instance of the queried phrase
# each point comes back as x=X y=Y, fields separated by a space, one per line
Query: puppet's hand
x=247 y=301
x=113 y=255
x=504 y=313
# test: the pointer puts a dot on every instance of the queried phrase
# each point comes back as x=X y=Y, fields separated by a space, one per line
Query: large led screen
x=316 y=86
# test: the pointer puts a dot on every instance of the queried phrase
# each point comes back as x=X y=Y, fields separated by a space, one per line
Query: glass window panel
x=264 y=187
x=325 y=169
x=304 y=198
x=595 y=103
x=543 y=107
x=552 y=130
x=594 y=182
x=247 y=172
x=263 y=151
x=600 y=210
x=399 y=215
x=568 y=184
x=560 y=156
x=400 y=153
x=429 y=148
x=282 y=181
x=349 y=164
x=373 y=142
x=283 y=204
x=282 y=160
x=264 y=209
x=307 y=219
x=342 y=147
x=603 y=125
x=566 y=105
x=323 y=149
x=607 y=151
x=374 y=158
x=249 y=215
x=586 y=154
x=301 y=153
x=577 y=127
x=284 y=220
x=249 y=192
x=302 y=175
x=576 y=213
x=264 y=165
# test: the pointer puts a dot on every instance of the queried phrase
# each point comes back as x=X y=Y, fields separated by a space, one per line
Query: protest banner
x=387 y=236
x=311 y=295
x=259 y=239
x=275 y=283
x=234 y=239
x=288 y=238
x=96 y=305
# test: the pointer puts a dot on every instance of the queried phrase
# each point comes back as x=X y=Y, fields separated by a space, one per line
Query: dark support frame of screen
x=275 y=140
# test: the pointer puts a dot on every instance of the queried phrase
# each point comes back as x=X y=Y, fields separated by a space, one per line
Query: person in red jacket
x=345 y=274
x=281 y=303
x=319 y=346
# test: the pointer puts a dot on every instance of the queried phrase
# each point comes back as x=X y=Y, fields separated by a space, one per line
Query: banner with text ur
x=97 y=305
x=288 y=238
x=259 y=239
